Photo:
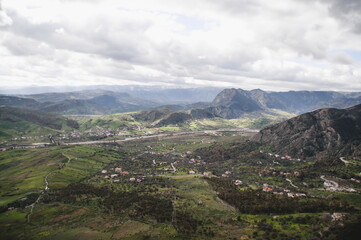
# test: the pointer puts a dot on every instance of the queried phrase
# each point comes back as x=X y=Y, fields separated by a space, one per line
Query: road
x=335 y=184
x=345 y=161
x=290 y=181
x=245 y=130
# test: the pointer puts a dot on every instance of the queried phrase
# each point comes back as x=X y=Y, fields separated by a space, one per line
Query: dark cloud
x=349 y=11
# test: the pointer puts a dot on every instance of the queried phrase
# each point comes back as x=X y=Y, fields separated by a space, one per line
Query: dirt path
x=69 y=158
x=42 y=192
x=39 y=198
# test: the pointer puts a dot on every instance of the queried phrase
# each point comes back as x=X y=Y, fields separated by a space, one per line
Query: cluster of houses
x=274 y=172
x=206 y=174
x=115 y=173
x=26 y=138
x=226 y=174
x=38 y=145
x=196 y=162
x=285 y=157
x=334 y=187
x=283 y=192
x=98 y=131
x=94 y=132
x=338 y=217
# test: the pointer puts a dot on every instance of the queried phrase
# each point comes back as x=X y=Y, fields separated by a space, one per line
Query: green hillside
x=16 y=122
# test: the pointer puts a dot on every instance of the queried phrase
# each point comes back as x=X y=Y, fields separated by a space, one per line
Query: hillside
x=336 y=130
x=16 y=122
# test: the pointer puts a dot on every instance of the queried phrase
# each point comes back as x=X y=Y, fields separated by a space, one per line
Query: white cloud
x=284 y=45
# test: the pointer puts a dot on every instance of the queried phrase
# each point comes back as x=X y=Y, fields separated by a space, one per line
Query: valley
x=181 y=174
x=172 y=186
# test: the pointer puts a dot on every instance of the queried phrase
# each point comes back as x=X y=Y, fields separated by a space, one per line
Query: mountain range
x=88 y=102
x=235 y=103
x=228 y=103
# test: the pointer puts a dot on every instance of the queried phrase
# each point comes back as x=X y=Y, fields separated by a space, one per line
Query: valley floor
x=204 y=185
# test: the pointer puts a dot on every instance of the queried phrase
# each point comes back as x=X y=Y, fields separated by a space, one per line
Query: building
x=238 y=182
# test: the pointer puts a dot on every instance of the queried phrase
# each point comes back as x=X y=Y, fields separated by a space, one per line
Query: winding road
x=335 y=184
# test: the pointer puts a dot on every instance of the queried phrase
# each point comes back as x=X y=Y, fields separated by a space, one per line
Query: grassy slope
x=16 y=122
x=23 y=171
x=10 y=130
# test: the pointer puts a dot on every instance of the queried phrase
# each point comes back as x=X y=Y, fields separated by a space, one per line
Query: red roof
x=267 y=189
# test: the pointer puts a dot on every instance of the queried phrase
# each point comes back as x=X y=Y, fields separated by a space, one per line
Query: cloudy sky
x=273 y=45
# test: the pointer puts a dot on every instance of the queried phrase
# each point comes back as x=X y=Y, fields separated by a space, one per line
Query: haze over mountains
x=233 y=103
x=229 y=103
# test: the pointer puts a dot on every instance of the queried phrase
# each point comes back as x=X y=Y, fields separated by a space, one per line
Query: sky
x=273 y=45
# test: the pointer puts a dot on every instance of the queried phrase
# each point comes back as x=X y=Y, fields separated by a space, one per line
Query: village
x=159 y=164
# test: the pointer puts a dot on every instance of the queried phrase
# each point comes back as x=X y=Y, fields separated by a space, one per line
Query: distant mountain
x=229 y=103
x=177 y=95
x=232 y=103
x=235 y=103
x=266 y=100
x=159 y=94
x=329 y=129
x=86 y=102
x=303 y=101
x=19 y=102
x=85 y=94
x=74 y=107
x=341 y=103
x=23 y=122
